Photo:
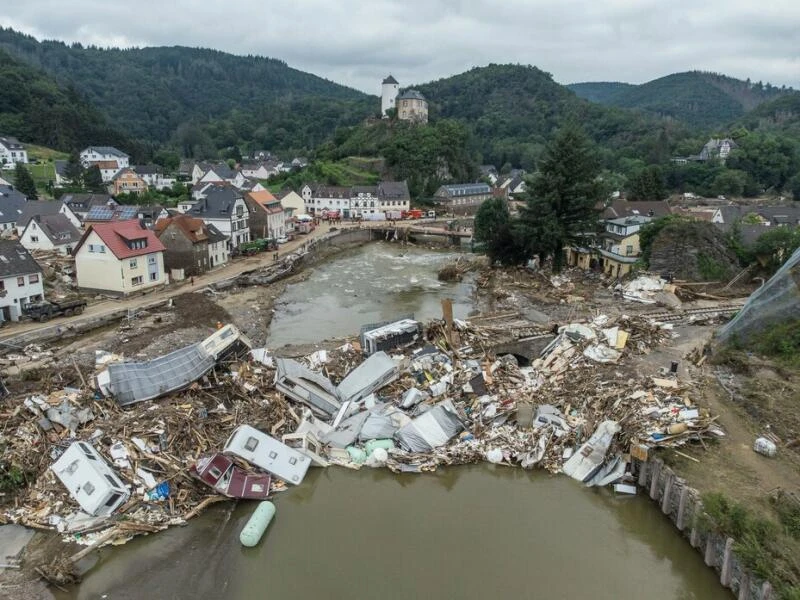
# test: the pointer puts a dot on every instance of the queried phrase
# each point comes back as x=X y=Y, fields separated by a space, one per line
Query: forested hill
x=34 y=108
x=513 y=110
x=599 y=91
x=700 y=99
x=150 y=92
x=779 y=115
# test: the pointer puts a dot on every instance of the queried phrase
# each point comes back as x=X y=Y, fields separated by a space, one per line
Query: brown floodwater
x=471 y=532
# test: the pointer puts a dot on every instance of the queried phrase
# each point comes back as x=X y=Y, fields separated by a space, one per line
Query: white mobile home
x=267 y=453
x=90 y=481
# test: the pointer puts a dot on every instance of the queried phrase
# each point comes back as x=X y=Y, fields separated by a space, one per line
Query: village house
x=363 y=201
x=515 y=184
x=11 y=152
x=620 y=248
x=107 y=158
x=12 y=203
x=50 y=233
x=94 y=154
x=120 y=258
x=393 y=196
x=216 y=173
x=154 y=177
x=41 y=208
x=81 y=204
x=150 y=214
x=267 y=219
x=463 y=198
x=218 y=254
x=224 y=207
x=127 y=181
x=186 y=241
x=291 y=199
x=20 y=280
x=258 y=170
x=318 y=199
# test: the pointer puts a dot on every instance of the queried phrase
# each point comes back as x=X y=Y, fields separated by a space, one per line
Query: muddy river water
x=472 y=532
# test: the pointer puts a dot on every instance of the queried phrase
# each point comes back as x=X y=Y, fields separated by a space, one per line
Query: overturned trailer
x=221 y=473
x=90 y=481
x=131 y=382
x=267 y=453
x=389 y=335
x=301 y=384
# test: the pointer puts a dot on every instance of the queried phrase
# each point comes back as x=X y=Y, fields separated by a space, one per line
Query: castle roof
x=390 y=79
x=411 y=95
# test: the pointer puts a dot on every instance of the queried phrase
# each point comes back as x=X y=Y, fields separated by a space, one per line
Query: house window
x=20 y=281
x=153 y=276
x=87 y=451
x=33 y=278
x=34 y=238
x=139 y=280
x=215 y=472
x=273 y=455
x=72 y=467
x=151 y=260
x=629 y=249
x=88 y=488
x=251 y=444
x=132 y=264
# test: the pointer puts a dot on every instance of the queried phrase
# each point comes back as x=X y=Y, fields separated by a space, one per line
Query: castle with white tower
x=410 y=105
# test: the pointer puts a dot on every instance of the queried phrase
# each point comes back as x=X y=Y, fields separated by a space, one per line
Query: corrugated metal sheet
x=135 y=382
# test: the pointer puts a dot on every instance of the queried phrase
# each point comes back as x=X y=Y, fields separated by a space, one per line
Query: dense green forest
x=599 y=91
x=34 y=108
x=697 y=98
x=151 y=92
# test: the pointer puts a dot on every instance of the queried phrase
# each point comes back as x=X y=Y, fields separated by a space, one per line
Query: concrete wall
x=683 y=506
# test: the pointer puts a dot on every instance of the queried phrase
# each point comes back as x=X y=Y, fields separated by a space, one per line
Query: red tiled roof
x=117 y=234
x=105 y=164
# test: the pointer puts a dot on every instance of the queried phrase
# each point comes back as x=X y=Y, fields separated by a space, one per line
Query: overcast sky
x=358 y=43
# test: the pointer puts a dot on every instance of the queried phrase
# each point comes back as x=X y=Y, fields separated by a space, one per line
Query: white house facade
x=11 y=152
x=95 y=154
x=20 y=280
x=224 y=208
x=120 y=257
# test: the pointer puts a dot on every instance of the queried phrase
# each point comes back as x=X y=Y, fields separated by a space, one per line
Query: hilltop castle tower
x=389 y=91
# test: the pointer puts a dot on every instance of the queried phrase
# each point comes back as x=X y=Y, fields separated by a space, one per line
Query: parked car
x=283 y=239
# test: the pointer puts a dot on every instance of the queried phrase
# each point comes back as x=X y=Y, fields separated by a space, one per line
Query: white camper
x=90 y=481
x=267 y=453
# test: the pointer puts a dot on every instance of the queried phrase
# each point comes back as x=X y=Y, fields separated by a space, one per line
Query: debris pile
x=177 y=435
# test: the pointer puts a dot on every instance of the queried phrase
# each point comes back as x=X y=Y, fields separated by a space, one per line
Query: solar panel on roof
x=99 y=213
x=127 y=212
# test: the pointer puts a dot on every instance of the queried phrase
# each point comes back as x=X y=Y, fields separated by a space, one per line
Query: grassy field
x=43 y=171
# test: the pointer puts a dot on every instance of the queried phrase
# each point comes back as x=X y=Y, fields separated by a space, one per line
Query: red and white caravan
x=219 y=472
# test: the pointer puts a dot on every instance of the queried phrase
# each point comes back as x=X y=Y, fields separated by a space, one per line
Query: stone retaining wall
x=684 y=507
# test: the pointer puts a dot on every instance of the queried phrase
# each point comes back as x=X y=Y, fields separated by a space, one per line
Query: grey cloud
x=357 y=44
